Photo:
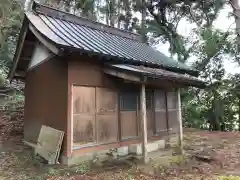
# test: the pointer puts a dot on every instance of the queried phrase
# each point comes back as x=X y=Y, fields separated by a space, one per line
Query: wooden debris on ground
x=49 y=144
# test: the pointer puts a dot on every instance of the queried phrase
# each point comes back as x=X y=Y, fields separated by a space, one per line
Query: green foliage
x=82 y=168
x=215 y=108
x=53 y=172
x=177 y=160
x=130 y=177
x=229 y=178
x=10 y=23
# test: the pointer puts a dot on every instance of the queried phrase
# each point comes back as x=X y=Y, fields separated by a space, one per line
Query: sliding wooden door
x=107 y=116
x=95 y=116
x=84 y=119
x=160 y=112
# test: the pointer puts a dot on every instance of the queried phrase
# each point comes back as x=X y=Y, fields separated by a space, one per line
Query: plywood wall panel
x=84 y=129
x=128 y=124
x=107 y=128
x=173 y=121
x=161 y=122
x=84 y=100
x=107 y=115
x=150 y=122
x=88 y=71
x=106 y=100
x=160 y=112
x=84 y=118
x=172 y=111
x=46 y=98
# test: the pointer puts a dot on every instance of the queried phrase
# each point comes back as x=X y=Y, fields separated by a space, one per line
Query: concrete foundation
x=74 y=160
x=135 y=149
x=87 y=157
x=174 y=140
x=119 y=152
x=122 y=151
x=151 y=147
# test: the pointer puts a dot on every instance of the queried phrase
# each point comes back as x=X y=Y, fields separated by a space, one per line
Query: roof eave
x=185 y=82
x=51 y=45
x=116 y=59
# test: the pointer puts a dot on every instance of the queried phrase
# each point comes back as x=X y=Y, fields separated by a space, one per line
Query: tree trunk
x=238 y=114
x=112 y=12
x=143 y=23
x=236 y=11
x=107 y=11
x=118 y=13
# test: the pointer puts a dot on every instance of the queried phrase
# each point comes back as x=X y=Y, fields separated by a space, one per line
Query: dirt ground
x=207 y=156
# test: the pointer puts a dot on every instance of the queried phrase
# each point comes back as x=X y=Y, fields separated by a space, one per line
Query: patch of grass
x=83 y=168
x=160 y=170
x=37 y=178
x=130 y=177
x=177 y=160
x=53 y=172
x=229 y=178
x=188 y=139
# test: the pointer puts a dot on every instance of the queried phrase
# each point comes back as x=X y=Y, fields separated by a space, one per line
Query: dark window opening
x=128 y=101
x=149 y=99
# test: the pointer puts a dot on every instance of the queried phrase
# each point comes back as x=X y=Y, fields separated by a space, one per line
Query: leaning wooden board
x=49 y=144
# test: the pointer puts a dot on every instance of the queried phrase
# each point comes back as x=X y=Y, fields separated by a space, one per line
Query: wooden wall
x=45 y=98
x=96 y=115
x=74 y=95
x=92 y=113
x=86 y=71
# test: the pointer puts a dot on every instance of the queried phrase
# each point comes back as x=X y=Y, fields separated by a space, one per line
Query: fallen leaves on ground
x=208 y=156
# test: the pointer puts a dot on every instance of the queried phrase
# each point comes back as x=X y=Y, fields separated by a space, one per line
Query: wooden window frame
x=121 y=94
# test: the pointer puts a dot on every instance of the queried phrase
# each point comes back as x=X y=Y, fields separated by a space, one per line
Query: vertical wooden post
x=144 y=122
x=119 y=115
x=167 y=119
x=179 y=109
x=69 y=128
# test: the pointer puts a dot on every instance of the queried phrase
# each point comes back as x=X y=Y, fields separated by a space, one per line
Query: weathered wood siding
x=97 y=116
x=172 y=112
x=93 y=99
x=74 y=95
x=45 y=98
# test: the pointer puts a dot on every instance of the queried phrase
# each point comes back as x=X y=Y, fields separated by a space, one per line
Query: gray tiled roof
x=71 y=34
